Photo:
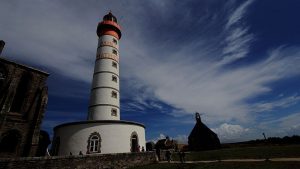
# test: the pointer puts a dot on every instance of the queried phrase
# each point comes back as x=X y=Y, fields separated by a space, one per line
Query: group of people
x=138 y=149
x=168 y=155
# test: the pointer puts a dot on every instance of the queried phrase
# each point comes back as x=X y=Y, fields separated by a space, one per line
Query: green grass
x=226 y=165
x=261 y=152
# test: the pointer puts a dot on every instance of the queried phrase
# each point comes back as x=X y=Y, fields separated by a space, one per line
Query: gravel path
x=237 y=160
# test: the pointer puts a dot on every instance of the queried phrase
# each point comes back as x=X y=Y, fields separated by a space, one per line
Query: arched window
x=134 y=142
x=10 y=141
x=94 y=143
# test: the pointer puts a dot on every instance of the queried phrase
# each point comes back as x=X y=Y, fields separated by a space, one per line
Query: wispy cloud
x=168 y=55
x=238 y=40
x=237 y=45
x=286 y=125
x=203 y=84
x=275 y=104
x=238 y=14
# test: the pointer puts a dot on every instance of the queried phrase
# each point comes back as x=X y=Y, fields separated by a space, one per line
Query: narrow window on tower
x=114 y=112
x=114 y=52
x=114 y=78
x=114 y=94
x=115 y=41
x=114 y=64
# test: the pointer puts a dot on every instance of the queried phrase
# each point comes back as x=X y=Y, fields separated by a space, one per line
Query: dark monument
x=165 y=144
x=150 y=146
x=202 y=138
x=23 y=100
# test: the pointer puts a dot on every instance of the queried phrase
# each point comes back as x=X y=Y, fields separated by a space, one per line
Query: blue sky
x=236 y=61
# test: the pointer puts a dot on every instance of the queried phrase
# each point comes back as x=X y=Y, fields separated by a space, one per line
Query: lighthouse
x=105 y=92
x=103 y=132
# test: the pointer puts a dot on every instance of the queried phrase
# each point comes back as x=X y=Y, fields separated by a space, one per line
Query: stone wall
x=112 y=161
x=23 y=101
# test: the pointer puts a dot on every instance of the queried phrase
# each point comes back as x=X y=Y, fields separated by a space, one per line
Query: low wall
x=105 y=161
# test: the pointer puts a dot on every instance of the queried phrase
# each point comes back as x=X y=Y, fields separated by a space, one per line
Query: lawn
x=261 y=152
x=225 y=165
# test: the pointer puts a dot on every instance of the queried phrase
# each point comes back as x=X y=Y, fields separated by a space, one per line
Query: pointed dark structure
x=202 y=138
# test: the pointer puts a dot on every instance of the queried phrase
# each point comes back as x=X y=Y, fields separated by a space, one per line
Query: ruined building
x=202 y=138
x=23 y=100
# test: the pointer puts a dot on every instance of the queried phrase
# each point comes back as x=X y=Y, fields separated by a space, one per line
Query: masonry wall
x=111 y=161
x=23 y=101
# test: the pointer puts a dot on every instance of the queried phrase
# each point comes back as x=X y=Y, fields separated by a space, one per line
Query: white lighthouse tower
x=103 y=132
x=105 y=95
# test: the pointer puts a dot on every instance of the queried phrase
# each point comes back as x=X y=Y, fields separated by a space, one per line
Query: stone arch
x=94 y=143
x=3 y=75
x=55 y=146
x=10 y=142
x=3 y=84
x=21 y=92
x=134 y=142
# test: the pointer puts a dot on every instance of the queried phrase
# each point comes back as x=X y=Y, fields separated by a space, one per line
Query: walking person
x=158 y=153
x=180 y=156
x=183 y=156
x=168 y=156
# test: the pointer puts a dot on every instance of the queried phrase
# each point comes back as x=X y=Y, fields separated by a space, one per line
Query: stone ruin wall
x=115 y=161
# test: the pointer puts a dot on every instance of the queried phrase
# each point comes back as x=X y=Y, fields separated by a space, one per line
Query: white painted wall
x=106 y=49
x=106 y=113
x=103 y=96
x=115 y=138
x=108 y=38
x=104 y=80
x=102 y=85
x=106 y=65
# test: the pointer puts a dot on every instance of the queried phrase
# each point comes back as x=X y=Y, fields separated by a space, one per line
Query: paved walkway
x=237 y=160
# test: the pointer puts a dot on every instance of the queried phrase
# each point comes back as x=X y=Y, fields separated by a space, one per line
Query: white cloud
x=181 y=139
x=161 y=136
x=229 y=132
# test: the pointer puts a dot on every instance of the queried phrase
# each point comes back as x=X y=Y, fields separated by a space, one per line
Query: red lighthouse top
x=109 y=26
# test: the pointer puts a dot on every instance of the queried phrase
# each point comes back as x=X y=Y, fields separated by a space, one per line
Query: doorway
x=134 y=143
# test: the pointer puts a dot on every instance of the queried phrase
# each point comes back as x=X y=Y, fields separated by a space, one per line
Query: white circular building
x=103 y=132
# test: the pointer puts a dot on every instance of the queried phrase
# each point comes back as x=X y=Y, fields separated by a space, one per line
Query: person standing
x=168 y=156
x=158 y=153
x=183 y=156
x=180 y=156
